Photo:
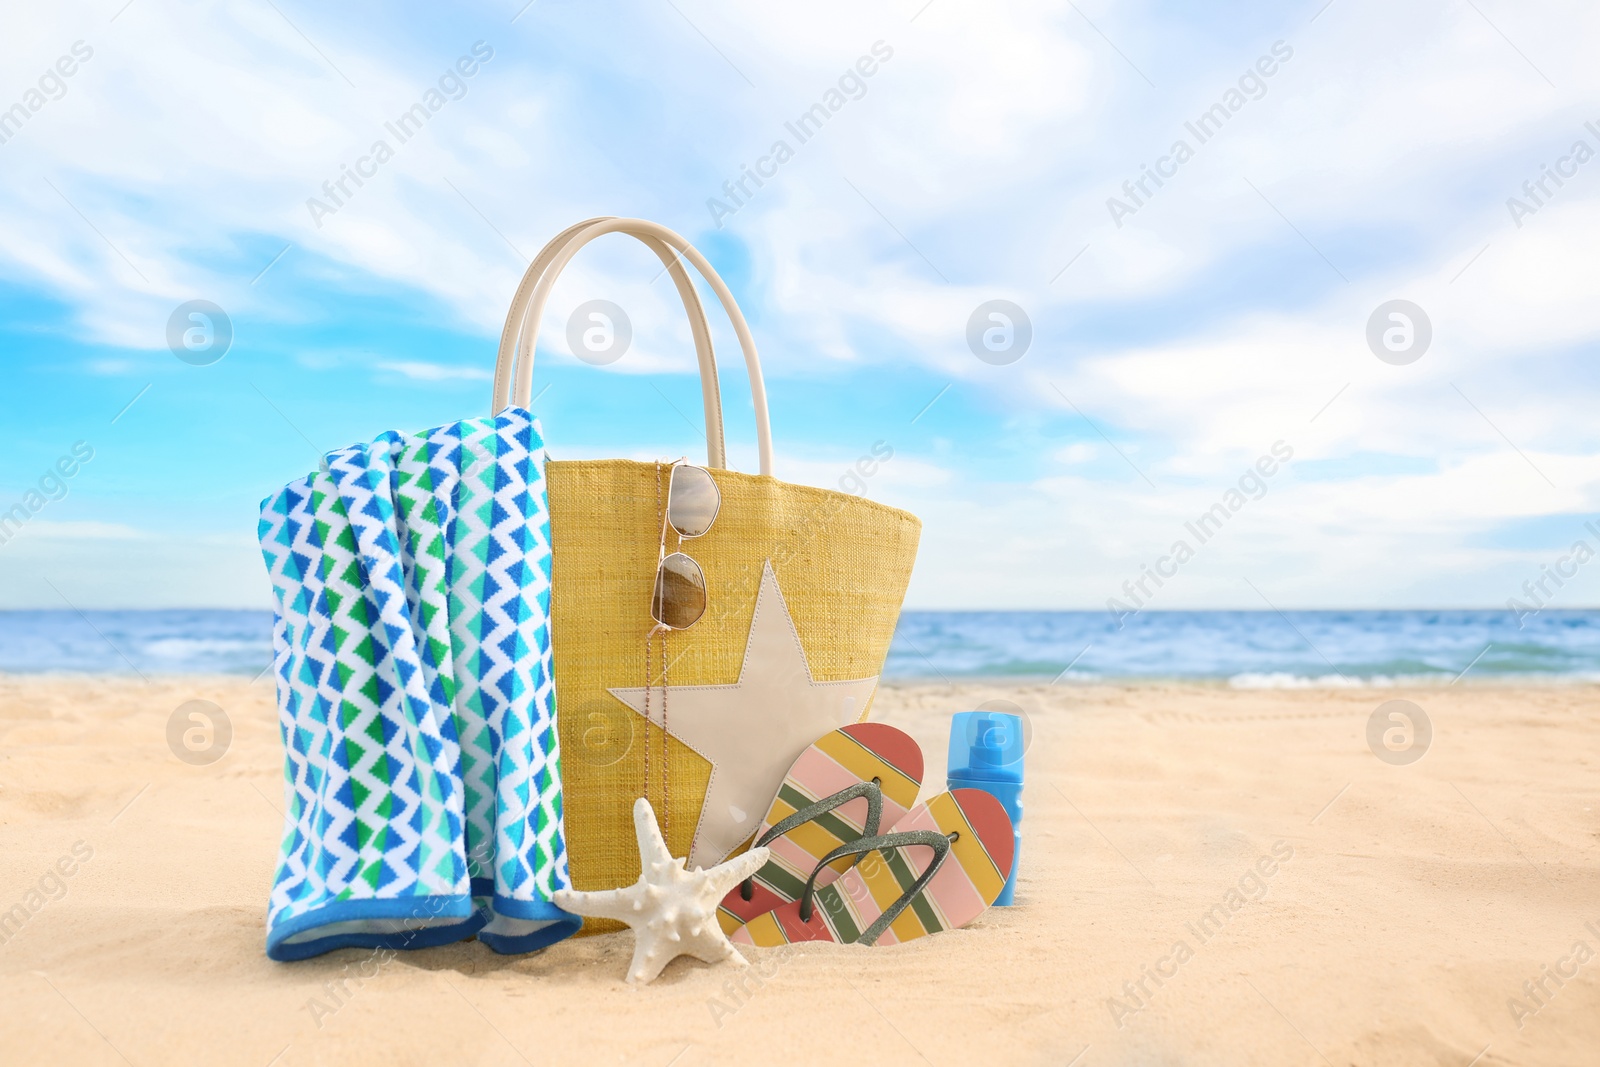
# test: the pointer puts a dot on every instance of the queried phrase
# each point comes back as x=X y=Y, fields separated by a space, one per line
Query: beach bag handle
x=511 y=337
x=513 y=378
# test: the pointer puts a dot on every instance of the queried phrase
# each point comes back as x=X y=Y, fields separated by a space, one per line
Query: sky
x=1185 y=333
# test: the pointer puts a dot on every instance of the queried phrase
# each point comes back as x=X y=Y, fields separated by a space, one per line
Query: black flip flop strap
x=871 y=790
x=931 y=838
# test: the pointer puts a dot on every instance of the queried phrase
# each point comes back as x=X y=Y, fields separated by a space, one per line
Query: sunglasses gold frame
x=678 y=573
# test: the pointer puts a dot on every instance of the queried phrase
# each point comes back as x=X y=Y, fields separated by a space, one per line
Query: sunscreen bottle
x=986 y=753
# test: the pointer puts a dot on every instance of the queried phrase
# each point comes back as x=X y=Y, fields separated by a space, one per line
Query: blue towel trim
x=342 y=911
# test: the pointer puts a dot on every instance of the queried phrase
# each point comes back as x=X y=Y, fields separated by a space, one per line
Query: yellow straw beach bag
x=803 y=590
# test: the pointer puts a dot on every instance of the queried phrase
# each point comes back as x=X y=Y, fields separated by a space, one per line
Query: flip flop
x=851 y=782
x=938 y=869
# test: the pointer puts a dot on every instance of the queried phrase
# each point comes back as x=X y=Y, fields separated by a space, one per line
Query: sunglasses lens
x=693 y=500
x=680 y=597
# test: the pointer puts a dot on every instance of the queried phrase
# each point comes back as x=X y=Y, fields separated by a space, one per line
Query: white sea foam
x=1286 y=680
x=186 y=648
x=1282 y=680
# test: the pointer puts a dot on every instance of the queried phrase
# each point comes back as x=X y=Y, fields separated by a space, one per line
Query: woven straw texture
x=842 y=562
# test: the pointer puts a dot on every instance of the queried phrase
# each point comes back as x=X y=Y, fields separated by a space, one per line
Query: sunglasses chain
x=649 y=640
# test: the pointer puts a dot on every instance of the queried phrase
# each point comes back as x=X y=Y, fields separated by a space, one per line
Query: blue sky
x=1173 y=344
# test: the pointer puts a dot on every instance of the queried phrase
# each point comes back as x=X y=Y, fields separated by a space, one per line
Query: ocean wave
x=1279 y=680
x=157 y=642
x=1239 y=649
x=1284 y=680
x=1249 y=649
x=185 y=648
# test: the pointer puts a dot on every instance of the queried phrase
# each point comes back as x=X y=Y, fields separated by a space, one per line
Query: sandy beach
x=1209 y=876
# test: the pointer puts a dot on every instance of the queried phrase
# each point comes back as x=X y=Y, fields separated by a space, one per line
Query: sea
x=1243 y=649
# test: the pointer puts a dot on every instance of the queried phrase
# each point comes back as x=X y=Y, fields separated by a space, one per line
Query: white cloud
x=46 y=530
x=976 y=164
x=1081 y=452
x=421 y=371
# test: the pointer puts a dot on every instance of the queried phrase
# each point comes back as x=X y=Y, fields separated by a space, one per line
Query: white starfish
x=673 y=911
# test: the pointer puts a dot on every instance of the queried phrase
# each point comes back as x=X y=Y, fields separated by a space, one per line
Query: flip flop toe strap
x=872 y=790
x=940 y=844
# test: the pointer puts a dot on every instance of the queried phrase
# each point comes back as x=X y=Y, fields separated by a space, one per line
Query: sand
x=1359 y=912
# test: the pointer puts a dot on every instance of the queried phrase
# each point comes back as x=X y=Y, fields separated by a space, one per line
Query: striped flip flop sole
x=845 y=757
x=963 y=888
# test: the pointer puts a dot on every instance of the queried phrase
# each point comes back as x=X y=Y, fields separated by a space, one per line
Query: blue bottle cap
x=986 y=744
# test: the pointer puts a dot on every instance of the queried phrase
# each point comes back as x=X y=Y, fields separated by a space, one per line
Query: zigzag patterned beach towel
x=411 y=644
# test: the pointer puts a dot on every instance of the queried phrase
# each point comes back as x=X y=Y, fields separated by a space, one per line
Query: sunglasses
x=693 y=501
